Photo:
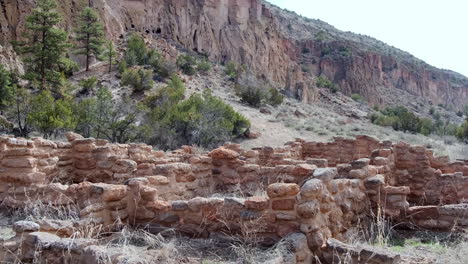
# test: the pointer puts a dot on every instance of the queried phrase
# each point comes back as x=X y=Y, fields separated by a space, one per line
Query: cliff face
x=274 y=44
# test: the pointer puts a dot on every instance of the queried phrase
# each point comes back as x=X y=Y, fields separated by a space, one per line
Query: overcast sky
x=435 y=31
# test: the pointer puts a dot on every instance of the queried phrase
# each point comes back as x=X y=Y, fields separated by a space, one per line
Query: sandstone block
x=73 y=136
x=19 y=162
x=197 y=203
x=312 y=188
x=375 y=181
x=325 y=174
x=396 y=190
x=360 y=163
x=358 y=174
x=308 y=209
x=158 y=180
x=185 y=177
x=159 y=205
x=321 y=163
x=256 y=203
x=282 y=190
x=223 y=153
x=304 y=170
x=124 y=166
x=285 y=204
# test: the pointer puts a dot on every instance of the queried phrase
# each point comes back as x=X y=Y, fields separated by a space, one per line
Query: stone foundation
x=319 y=190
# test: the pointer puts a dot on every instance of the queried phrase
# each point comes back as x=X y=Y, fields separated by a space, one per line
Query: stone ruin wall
x=320 y=190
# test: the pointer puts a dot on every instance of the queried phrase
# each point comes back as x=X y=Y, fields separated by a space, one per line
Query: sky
x=435 y=31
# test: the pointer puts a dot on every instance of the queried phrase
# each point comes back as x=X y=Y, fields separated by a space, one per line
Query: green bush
x=204 y=66
x=136 y=53
x=462 y=132
x=251 y=95
x=187 y=64
x=50 y=115
x=6 y=89
x=88 y=85
x=324 y=82
x=202 y=120
x=275 y=98
x=357 y=97
x=138 y=78
x=232 y=70
x=402 y=119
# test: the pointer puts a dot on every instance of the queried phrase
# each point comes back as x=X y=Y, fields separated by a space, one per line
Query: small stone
x=282 y=190
x=304 y=170
x=308 y=209
x=360 y=163
x=179 y=205
x=312 y=188
x=256 y=203
x=223 y=153
x=286 y=204
x=325 y=174
x=25 y=226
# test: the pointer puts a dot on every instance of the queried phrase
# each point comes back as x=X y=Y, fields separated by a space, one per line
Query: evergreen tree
x=19 y=109
x=45 y=46
x=90 y=35
x=110 y=54
x=86 y=116
x=49 y=115
x=104 y=105
x=5 y=87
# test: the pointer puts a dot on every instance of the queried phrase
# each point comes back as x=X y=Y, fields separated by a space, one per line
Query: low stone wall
x=322 y=190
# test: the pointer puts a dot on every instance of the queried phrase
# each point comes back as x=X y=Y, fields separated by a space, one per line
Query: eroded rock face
x=256 y=34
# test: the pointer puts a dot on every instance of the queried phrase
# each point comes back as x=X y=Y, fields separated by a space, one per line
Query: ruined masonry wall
x=320 y=189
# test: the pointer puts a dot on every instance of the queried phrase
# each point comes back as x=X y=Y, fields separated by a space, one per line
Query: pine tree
x=90 y=35
x=45 y=46
x=5 y=87
x=110 y=54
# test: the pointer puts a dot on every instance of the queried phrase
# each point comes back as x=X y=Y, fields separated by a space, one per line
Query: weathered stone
x=360 y=163
x=25 y=226
x=282 y=190
x=223 y=153
x=256 y=203
x=312 y=188
x=308 y=209
x=325 y=174
x=304 y=169
x=179 y=205
x=286 y=204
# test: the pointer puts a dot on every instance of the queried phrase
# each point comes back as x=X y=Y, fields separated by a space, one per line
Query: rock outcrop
x=273 y=43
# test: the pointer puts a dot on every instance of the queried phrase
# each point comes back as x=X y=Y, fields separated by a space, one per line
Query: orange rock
x=282 y=190
x=223 y=153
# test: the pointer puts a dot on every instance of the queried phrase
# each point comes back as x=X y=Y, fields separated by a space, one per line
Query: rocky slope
x=275 y=44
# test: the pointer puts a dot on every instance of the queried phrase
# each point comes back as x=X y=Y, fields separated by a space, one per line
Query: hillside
x=275 y=44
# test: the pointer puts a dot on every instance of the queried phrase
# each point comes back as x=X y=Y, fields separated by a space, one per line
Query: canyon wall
x=274 y=45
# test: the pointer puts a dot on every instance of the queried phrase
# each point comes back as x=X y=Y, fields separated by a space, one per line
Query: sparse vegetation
x=138 y=78
x=357 y=97
x=232 y=70
x=324 y=82
x=203 y=120
x=402 y=119
x=187 y=64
